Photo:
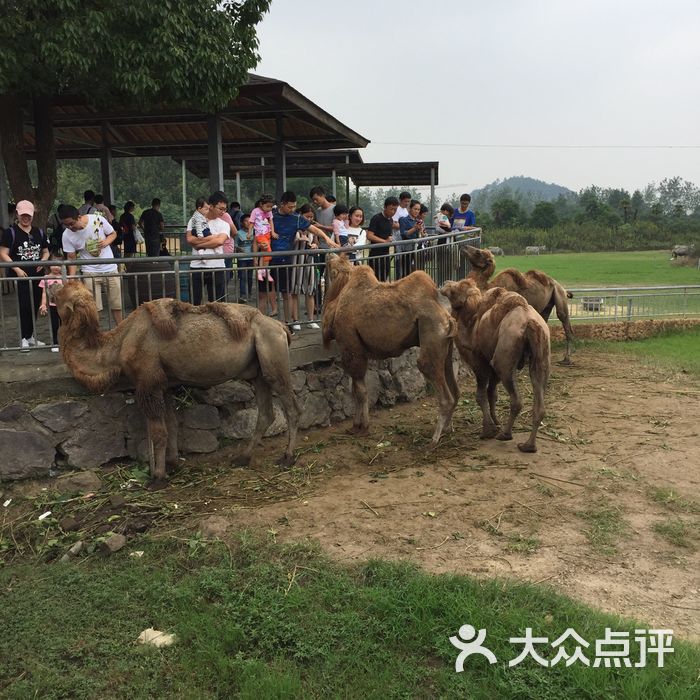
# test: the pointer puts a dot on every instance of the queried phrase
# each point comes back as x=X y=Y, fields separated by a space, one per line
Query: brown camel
x=375 y=320
x=497 y=332
x=542 y=292
x=165 y=343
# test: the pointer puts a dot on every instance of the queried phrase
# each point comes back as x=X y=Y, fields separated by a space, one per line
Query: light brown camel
x=542 y=292
x=497 y=332
x=165 y=343
x=375 y=320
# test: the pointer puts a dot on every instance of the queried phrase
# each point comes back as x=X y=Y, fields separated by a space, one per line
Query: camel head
x=76 y=307
x=462 y=295
x=480 y=259
x=338 y=269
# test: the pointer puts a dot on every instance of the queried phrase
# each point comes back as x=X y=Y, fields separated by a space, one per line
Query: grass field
x=260 y=620
x=643 y=268
x=675 y=351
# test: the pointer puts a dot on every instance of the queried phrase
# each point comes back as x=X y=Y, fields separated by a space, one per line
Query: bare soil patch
x=607 y=512
x=618 y=455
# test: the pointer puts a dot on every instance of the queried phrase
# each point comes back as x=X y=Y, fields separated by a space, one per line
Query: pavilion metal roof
x=264 y=112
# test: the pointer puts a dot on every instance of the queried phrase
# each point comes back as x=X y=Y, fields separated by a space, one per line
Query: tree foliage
x=129 y=54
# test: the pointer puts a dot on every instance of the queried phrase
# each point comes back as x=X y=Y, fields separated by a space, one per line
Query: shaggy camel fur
x=497 y=332
x=375 y=320
x=165 y=343
x=542 y=292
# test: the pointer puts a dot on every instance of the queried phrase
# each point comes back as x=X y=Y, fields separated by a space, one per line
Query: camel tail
x=569 y=295
x=538 y=347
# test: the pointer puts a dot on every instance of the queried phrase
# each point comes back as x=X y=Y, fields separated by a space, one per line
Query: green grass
x=639 y=268
x=677 y=532
x=259 y=620
x=605 y=526
x=675 y=350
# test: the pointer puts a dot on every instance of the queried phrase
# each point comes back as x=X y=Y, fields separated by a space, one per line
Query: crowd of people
x=295 y=238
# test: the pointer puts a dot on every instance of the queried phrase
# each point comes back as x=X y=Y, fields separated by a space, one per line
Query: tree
x=141 y=54
x=506 y=212
x=543 y=215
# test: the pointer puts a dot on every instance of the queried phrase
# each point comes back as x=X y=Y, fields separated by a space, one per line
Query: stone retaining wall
x=85 y=432
x=624 y=330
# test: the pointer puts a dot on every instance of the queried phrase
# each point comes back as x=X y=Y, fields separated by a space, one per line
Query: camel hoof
x=241 y=460
x=504 y=436
x=527 y=447
x=157 y=484
x=488 y=434
x=286 y=461
x=565 y=363
x=358 y=430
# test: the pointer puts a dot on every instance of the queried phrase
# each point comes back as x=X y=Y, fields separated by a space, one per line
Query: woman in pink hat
x=23 y=242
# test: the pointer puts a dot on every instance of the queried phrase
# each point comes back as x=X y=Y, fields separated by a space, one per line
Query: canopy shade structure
x=387 y=174
x=265 y=112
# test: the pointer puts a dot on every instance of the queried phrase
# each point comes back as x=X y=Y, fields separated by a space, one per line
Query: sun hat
x=24 y=207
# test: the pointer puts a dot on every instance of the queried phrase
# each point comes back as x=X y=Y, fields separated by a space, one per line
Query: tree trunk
x=15 y=156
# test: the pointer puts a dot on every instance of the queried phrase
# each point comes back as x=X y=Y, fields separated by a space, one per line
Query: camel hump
x=512 y=279
x=504 y=304
x=164 y=314
x=233 y=316
x=539 y=276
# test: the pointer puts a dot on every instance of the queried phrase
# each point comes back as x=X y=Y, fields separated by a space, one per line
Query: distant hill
x=527 y=191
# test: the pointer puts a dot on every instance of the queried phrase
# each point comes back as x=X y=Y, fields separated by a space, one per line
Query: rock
x=77 y=548
x=234 y=391
x=68 y=524
x=201 y=441
x=112 y=544
x=60 y=416
x=116 y=500
x=386 y=378
x=200 y=417
x=334 y=376
x=298 y=381
x=11 y=413
x=313 y=382
x=78 y=483
x=315 y=411
x=214 y=527
x=240 y=424
x=94 y=442
x=410 y=383
x=25 y=455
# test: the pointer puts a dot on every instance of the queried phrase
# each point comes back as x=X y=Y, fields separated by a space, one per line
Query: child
x=47 y=303
x=442 y=220
x=198 y=220
x=263 y=230
x=340 y=224
x=244 y=244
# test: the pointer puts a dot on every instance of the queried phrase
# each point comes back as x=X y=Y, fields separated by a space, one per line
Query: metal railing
x=290 y=279
x=634 y=303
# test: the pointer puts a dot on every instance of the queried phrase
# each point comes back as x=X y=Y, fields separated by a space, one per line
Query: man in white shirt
x=404 y=201
x=208 y=270
x=89 y=237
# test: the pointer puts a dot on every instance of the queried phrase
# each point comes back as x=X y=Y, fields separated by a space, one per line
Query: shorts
x=96 y=282
x=282 y=273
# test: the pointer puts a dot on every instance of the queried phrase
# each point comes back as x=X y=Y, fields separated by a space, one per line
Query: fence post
x=629 y=309
x=176 y=270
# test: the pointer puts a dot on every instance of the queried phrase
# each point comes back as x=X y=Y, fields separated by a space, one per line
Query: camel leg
x=562 y=309
x=356 y=366
x=263 y=399
x=489 y=428
x=539 y=375
x=537 y=414
x=516 y=404
x=452 y=385
x=273 y=357
x=171 y=427
x=152 y=405
x=432 y=363
x=492 y=394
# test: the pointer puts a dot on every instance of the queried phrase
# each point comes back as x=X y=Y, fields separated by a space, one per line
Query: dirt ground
x=618 y=454
x=607 y=511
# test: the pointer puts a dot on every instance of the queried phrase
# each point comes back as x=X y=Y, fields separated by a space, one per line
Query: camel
x=375 y=320
x=164 y=343
x=542 y=292
x=498 y=331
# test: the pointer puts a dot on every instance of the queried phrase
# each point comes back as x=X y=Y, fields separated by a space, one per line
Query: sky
x=599 y=92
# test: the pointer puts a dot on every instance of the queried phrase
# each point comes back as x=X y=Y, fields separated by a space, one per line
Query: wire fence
x=288 y=284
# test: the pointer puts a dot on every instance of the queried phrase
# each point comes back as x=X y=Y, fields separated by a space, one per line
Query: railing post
x=629 y=309
x=176 y=271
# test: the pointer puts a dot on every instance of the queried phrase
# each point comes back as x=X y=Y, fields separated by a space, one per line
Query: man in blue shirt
x=464 y=219
x=287 y=222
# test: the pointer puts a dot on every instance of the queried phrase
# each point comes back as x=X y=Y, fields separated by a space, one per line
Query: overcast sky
x=602 y=92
